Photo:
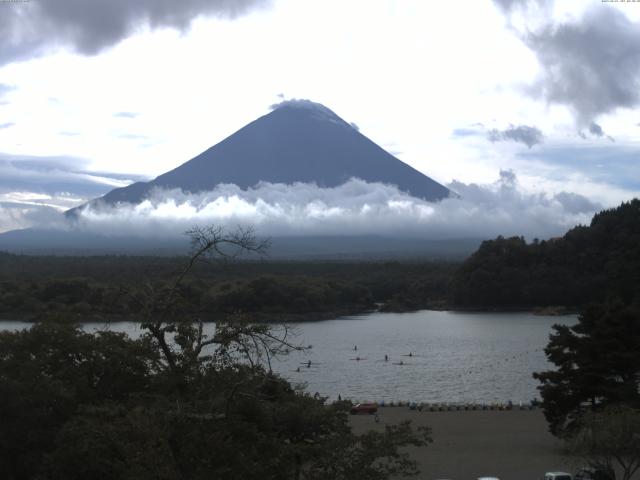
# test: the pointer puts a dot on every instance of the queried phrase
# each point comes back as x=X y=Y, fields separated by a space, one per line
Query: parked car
x=557 y=476
x=369 y=408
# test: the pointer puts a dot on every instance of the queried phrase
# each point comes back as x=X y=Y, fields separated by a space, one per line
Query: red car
x=369 y=408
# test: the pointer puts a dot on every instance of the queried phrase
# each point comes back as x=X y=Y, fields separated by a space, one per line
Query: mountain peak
x=299 y=141
x=303 y=105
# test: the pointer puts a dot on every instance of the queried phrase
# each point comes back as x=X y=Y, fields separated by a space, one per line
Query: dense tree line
x=86 y=288
x=589 y=263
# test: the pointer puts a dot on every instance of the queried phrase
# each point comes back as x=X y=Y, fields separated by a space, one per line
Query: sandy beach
x=511 y=445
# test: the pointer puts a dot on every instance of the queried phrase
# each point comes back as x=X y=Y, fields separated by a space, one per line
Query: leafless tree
x=184 y=345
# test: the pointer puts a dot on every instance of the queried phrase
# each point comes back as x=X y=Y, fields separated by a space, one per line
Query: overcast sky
x=97 y=94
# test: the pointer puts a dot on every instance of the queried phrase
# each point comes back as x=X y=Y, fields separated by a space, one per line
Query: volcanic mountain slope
x=299 y=141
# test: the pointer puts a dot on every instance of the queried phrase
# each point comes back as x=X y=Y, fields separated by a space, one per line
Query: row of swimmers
x=308 y=363
x=386 y=357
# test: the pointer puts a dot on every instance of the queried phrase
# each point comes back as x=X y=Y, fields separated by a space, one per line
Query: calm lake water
x=455 y=356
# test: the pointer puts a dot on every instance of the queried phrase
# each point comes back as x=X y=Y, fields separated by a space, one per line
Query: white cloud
x=19 y=215
x=354 y=208
x=60 y=202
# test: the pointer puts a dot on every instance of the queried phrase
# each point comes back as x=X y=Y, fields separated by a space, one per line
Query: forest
x=91 y=288
x=588 y=264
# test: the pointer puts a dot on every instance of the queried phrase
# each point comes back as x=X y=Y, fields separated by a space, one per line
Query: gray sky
x=95 y=95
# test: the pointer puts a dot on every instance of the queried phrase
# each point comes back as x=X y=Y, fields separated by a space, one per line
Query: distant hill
x=588 y=264
x=299 y=141
x=362 y=247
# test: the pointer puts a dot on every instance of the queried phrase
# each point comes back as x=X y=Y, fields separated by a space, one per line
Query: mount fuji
x=298 y=141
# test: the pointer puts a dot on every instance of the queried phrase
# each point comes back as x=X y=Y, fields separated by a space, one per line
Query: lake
x=455 y=356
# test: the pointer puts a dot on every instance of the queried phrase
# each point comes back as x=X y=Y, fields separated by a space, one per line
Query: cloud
x=31 y=28
x=591 y=65
x=354 y=208
x=301 y=103
x=132 y=136
x=18 y=216
x=465 y=132
x=527 y=135
x=4 y=89
x=614 y=167
x=524 y=134
x=317 y=109
x=574 y=203
x=508 y=6
x=52 y=175
x=35 y=190
x=125 y=115
x=13 y=219
x=59 y=203
x=596 y=130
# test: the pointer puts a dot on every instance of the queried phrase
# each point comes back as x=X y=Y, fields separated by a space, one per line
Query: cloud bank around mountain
x=354 y=208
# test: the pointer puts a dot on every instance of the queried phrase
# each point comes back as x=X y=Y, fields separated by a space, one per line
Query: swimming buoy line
x=450 y=407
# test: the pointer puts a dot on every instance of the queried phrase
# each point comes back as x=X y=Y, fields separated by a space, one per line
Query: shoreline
x=265 y=317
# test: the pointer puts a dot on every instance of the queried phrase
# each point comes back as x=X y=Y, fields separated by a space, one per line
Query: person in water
x=410 y=354
x=309 y=364
x=386 y=358
x=355 y=347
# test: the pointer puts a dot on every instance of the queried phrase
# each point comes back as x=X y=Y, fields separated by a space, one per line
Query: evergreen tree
x=598 y=364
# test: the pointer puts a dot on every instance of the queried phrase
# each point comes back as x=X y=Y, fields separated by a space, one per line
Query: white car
x=557 y=476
